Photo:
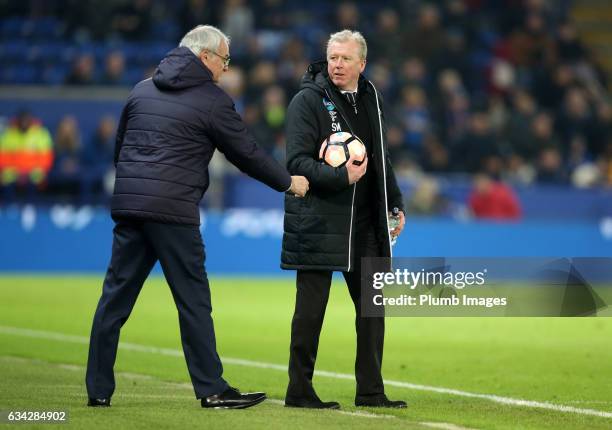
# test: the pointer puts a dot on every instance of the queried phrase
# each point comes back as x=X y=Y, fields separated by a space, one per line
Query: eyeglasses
x=226 y=60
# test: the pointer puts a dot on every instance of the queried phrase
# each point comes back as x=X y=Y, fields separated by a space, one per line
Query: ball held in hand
x=338 y=147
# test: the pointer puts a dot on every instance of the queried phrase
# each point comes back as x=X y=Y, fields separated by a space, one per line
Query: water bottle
x=394 y=222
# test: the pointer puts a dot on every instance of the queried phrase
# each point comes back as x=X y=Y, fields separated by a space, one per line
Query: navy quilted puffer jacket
x=168 y=132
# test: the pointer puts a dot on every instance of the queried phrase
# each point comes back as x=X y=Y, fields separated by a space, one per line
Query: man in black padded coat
x=168 y=132
x=342 y=219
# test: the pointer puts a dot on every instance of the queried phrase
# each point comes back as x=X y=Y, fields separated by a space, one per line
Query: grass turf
x=561 y=361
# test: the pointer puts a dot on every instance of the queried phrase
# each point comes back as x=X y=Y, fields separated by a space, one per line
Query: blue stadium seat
x=68 y=53
x=55 y=74
x=11 y=27
x=165 y=31
x=50 y=52
x=47 y=28
x=15 y=50
x=133 y=75
x=20 y=74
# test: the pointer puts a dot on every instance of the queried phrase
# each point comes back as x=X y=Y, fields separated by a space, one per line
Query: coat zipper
x=354 y=185
x=382 y=153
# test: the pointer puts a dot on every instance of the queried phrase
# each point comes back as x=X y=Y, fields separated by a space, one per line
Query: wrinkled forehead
x=344 y=48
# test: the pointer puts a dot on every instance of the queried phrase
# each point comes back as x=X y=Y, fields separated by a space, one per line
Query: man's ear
x=363 y=64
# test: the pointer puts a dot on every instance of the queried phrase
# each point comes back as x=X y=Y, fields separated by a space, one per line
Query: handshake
x=299 y=186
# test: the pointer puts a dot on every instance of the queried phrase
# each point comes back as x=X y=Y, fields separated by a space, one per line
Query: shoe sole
x=241 y=406
x=98 y=405
x=383 y=406
x=336 y=407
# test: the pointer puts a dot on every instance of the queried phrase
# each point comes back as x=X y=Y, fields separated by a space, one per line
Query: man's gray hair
x=204 y=37
x=348 y=35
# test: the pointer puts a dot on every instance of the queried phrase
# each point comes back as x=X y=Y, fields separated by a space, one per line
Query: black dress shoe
x=233 y=399
x=292 y=402
x=379 y=401
x=99 y=403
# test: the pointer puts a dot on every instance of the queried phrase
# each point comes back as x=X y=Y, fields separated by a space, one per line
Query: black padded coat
x=319 y=228
x=168 y=132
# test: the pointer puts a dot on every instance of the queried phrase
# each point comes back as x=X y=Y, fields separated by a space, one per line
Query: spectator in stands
x=413 y=72
x=195 y=12
x=277 y=15
x=531 y=45
x=541 y=136
x=26 y=153
x=601 y=132
x=569 y=49
x=574 y=118
x=579 y=163
x=233 y=82
x=427 y=37
x=605 y=164
x=132 y=20
x=450 y=106
x=262 y=75
x=552 y=85
x=83 y=71
x=478 y=150
x=502 y=78
x=381 y=76
x=114 y=69
x=97 y=157
x=388 y=38
x=435 y=157
x=239 y=21
x=347 y=16
x=550 y=169
x=426 y=199
x=291 y=65
x=457 y=16
x=493 y=200
x=518 y=128
x=65 y=176
x=453 y=55
x=415 y=118
x=86 y=20
x=259 y=128
x=274 y=108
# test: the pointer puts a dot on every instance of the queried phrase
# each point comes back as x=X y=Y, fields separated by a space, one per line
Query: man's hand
x=299 y=186
x=397 y=230
x=355 y=172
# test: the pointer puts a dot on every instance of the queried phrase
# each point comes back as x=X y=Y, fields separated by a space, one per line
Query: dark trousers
x=137 y=245
x=310 y=303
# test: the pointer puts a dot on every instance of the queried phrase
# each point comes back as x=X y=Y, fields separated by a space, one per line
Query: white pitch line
x=129 y=375
x=361 y=414
x=444 y=426
x=39 y=334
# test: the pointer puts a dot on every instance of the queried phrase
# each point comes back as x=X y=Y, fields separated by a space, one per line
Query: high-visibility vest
x=26 y=151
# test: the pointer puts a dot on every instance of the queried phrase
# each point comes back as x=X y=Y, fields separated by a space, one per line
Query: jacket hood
x=317 y=78
x=180 y=69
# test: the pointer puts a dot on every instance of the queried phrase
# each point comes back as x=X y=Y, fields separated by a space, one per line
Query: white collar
x=344 y=91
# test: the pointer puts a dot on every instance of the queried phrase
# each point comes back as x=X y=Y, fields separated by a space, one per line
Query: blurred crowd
x=504 y=88
x=33 y=161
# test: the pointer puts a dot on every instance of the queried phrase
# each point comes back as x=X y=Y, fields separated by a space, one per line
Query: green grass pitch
x=560 y=362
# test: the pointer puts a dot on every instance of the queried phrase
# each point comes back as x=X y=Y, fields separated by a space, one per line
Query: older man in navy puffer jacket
x=168 y=132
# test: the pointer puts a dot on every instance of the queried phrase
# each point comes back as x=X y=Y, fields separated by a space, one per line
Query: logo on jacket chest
x=333 y=114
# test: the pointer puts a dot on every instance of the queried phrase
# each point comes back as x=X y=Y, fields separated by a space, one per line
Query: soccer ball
x=338 y=147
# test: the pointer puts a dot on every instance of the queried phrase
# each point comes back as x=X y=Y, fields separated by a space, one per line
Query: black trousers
x=137 y=245
x=310 y=303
